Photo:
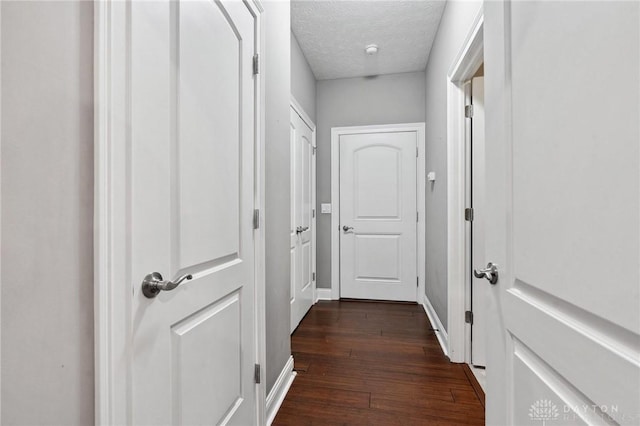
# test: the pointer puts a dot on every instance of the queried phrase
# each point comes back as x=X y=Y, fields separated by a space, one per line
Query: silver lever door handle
x=153 y=284
x=346 y=228
x=490 y=273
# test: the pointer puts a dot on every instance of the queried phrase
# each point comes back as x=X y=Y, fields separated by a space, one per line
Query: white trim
x=441 y=333
x=0 y=208
x=303 y=115
x=112 y=307
x=463 y=67
x=323 y=294
x=336 y=132
x=279 y=390
x=480 y=374
x=112 y=299
x=314 y=220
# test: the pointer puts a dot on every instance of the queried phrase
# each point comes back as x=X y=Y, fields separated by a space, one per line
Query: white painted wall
x=455 y=24
x=303 y=82
x=277 y=63
x=386 y=99
x=47 y=213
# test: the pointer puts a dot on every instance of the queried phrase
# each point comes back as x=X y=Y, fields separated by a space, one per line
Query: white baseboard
x=279 y=390
x=480 y=375
x=441 y=333
x=323 y=294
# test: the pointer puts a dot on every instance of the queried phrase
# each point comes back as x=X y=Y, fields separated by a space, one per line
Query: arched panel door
x=378 y=216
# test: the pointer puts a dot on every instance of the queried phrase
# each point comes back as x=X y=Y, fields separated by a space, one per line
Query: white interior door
x=191 y=189
x=301 y=218
x=480 y=286
x=378 y=215
x=563 y=212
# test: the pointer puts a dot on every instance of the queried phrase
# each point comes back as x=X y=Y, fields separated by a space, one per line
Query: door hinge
x=417 y=281
x=468 y=111
x=416 y=152
x=468 y=317
x=313 y=213
x=313 y=276
x=256 y=373
x=314 y=150
x=468 y=214
x=417 y=216
x=256 y=64
x=256 y=219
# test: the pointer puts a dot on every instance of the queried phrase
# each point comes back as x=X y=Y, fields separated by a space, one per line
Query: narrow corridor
x=372 y=363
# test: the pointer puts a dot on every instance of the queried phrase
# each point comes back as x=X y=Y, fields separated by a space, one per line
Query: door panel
x=377 y=192
x=191 y=205
x=197 y=355
x=301 y=218
x=378 y=257
x=378 y=199
x=208 y=204
x=564 y=173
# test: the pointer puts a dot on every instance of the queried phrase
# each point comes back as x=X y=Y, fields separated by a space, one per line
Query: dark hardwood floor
x=371 y=363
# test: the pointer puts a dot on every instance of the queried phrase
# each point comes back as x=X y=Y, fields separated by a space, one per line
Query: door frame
x=465 y=64
x=336 y=132
x=0 y=208
x=309 y=122
x=112 y=294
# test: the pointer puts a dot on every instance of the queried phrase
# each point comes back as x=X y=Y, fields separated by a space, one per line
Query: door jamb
x=112 y=296
x=309 y=122
x=462 y=69
x=260 y=306
x=336 y=132
x=0 y=208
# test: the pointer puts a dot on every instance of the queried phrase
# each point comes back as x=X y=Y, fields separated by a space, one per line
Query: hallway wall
x=385 y=99
x=303 y=82
x=47 y=213
x=454 y=26
x=277 y=64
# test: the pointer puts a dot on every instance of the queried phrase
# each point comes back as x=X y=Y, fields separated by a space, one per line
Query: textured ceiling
x=334 y=33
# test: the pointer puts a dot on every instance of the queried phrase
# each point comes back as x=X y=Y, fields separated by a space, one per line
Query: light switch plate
x=325 y=208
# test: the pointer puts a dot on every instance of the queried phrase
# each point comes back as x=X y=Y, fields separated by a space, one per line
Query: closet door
x=302 y=253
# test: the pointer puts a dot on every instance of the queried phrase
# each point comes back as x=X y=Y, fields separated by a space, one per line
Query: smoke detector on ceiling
x=371 y=49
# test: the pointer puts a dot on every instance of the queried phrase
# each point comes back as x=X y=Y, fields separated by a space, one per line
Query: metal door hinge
x=417 y=281
x=416 y=151
x=313 y=276
x=468 y=111
x=468 y=317
x=256 y=64
x=313 y=213
x=256 y=219
x=468 y=214
x=314 y=150
x=256 y=373
x=417 y=216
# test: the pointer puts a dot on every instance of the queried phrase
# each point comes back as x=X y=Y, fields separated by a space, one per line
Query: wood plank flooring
x=372 y=363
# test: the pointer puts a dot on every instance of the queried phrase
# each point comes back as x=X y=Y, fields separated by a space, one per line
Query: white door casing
x=178 y=178
x=563 y=207
x=378 y=207
x=302 y=217
x=457 y=341
x=479 y=286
